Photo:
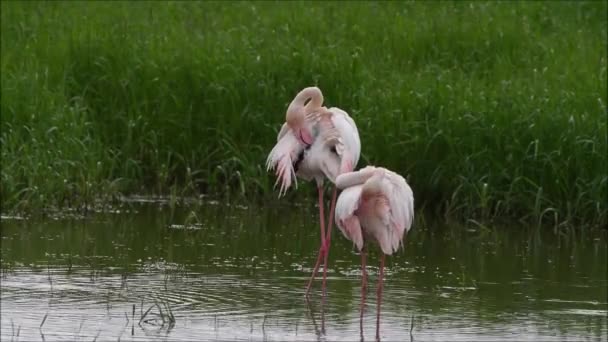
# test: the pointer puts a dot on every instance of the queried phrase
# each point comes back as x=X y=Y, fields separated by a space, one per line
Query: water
x=222 y=272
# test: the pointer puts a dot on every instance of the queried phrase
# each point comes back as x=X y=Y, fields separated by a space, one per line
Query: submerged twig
x=169 y=312
x=43 y=320
x=145 y=314
x=98 y=332
x=48 y=271
x=412 y=328
x=80 y=328
x=263 y=327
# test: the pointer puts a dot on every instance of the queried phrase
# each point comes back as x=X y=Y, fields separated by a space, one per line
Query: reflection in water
x=240 y=274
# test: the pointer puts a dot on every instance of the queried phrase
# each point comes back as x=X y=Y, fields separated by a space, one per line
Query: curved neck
x=349 y=179
x=315 y=96
x=309 y=93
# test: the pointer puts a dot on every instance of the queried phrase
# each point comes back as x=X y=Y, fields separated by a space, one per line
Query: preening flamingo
x=376 y=205
x=315 y=143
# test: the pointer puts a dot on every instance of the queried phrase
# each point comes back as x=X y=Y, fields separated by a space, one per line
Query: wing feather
x=281 y=158
x=401 y=201
x=283 y=131
x=348 y=144
x=346 y=220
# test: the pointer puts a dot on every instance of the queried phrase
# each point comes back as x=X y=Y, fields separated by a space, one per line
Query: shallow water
x=239 y=273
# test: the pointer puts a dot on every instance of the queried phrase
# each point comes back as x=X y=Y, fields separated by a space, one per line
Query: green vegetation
x=490 y=109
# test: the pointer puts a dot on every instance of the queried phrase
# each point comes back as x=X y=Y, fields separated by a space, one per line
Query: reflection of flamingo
x=315 y=143
x=376 y=204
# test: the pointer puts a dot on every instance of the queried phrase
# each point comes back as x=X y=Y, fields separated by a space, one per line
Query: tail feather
x=280 y=159
x=285 y=174
x=352 y=230
x=346 y=218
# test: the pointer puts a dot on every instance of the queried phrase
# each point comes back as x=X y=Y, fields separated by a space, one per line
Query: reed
x=492 y=110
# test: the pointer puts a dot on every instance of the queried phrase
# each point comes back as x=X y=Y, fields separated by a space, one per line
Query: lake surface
x=221 y=272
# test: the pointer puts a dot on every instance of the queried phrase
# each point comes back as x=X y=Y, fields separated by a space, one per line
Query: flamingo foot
x=322 y=252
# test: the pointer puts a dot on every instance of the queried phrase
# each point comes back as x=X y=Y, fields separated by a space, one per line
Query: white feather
x=346 y=205
x=330 y=128
x=349 y=143
x=281 y=158
x=389 y=206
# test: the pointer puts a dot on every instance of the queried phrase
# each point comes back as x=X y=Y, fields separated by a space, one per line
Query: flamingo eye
x=333 y=149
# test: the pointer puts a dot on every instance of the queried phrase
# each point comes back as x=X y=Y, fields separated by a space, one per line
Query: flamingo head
x=296 y=120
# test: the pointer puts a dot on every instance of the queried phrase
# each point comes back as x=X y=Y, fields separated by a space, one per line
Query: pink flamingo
x=376 y=205
x=315 y=143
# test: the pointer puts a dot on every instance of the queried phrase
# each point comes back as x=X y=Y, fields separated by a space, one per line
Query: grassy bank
x=491 y=109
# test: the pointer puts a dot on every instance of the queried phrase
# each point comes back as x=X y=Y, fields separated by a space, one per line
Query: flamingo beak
x=305 y=136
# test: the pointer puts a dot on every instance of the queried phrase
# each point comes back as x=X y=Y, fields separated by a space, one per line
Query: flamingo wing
x=348 y=143
x=401 y=203
x=281 y=158
x=401 y=200
x=387 y=208
x=375 y=211
x=283 y=131
x=345 y=217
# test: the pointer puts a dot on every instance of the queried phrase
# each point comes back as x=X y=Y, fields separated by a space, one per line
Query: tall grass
x=490 y=109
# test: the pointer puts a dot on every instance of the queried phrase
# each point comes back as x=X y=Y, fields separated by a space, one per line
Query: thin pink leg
x=363 y=286
x=323 y=317
x=322 y=222
x=314 y=271
x=379 y=296
x=328 y=238
x=321 y=214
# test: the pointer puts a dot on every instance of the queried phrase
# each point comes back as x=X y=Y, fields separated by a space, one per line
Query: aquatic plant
x=491 y=110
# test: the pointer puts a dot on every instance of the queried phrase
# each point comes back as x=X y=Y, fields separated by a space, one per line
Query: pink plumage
x=335 y=148
x=315 y=143
x=376 y=205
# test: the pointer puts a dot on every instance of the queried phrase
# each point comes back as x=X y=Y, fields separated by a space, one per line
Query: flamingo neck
x=299 y=107
x=349 y=179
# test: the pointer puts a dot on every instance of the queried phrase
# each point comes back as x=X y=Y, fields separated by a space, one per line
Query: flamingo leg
x=321 y=214
x=363 y=286
x=379 y=296
x=321 y=249
x=328 y=238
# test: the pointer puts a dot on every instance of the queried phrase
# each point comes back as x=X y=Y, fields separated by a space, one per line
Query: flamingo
x=315 y=143
x=375 y=205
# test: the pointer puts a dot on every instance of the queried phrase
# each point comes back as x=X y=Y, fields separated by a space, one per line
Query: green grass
x=492 y=110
